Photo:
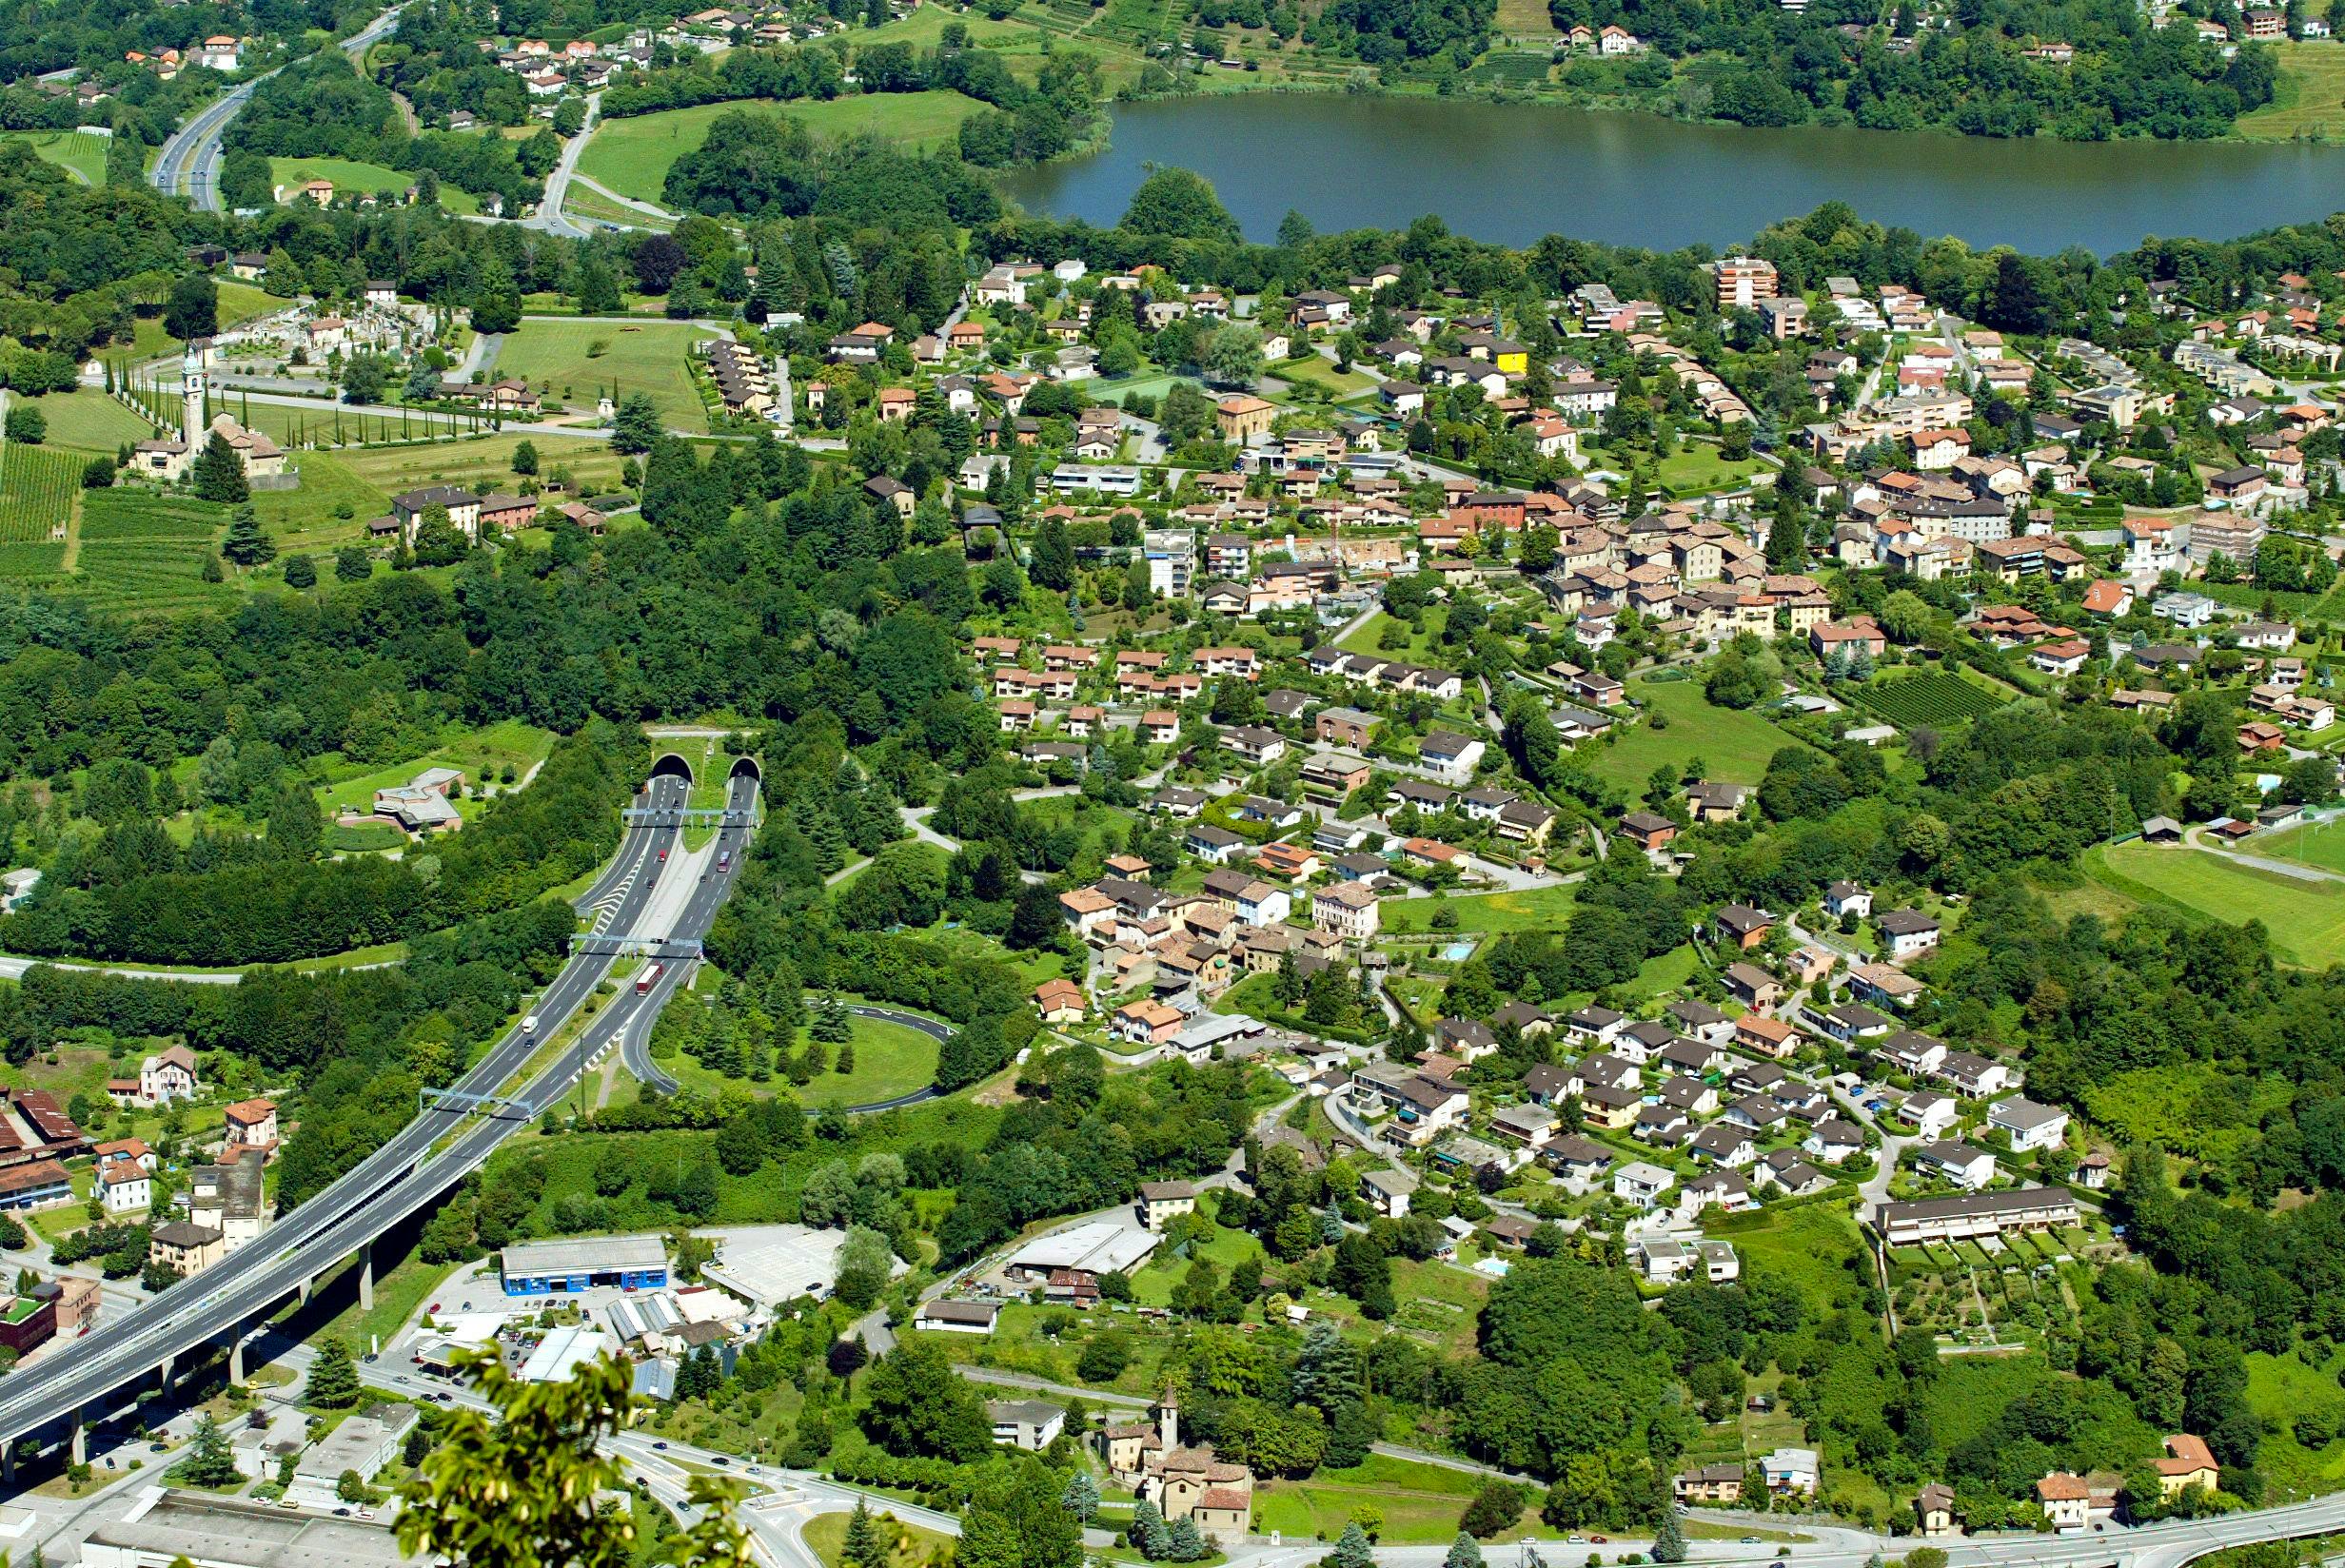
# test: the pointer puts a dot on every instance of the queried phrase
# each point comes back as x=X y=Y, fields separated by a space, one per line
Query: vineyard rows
x=37 y=487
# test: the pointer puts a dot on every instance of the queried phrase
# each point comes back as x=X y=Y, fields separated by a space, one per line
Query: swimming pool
x=1457 y=952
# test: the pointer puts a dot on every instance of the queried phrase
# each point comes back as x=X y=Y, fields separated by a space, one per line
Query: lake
x=1511 y=172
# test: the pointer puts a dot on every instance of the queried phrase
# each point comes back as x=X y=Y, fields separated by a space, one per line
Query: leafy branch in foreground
x=519 y=1489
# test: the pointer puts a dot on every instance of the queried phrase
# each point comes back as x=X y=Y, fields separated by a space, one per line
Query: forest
x=1784 y=68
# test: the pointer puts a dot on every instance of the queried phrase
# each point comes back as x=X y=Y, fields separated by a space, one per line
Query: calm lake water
x=1511 y=172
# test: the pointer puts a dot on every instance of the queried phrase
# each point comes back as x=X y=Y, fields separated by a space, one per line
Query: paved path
x=2197 y=838
x=549 y=214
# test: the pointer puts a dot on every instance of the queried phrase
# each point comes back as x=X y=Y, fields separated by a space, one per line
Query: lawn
x=1418 y=649
x=1420 y=1502
x=1540 y=907
x=631 y=156
x=2308 y=100
x=1806 y=1244
x=2306 y=919
x=889 y=1060
x=1733 y=745
x=575 y=363
x=908 y=1546
x=1312 y=368
x=925 y=28
x=1695 y=468
x=91 y=421
x=349 y=175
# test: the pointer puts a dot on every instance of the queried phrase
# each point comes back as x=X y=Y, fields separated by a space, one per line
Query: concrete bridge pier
x=236 y=1359
x=367 y=1277
x=301 y=1291
x=81 y=1438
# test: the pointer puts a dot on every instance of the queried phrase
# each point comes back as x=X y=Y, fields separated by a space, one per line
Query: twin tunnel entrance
x=673 y=765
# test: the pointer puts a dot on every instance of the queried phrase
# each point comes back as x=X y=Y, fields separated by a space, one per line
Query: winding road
x=191 y=158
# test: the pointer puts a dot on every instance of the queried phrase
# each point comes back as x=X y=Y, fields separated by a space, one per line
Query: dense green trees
x=235 y=899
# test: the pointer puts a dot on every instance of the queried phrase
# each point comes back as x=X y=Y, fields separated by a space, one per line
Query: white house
x=1641 y=1184
x=1966 y=1167
x=123 y=1185
x=2031 y=1126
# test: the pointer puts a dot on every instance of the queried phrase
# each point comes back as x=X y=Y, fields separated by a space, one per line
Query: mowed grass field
x=84 y=156
x=2319 y=844
x=1734 y=745
x=2308 y=101
x=386 y=470
x=89 y=421
x=2306 y=919
x=349 y=175
x=632 y=155
x=559 y=359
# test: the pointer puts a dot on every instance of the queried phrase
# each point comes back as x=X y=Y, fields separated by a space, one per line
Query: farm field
x=389 y=469
x=2306 y=919
x=1733 y=745
x=559 y=359
x=142 y=551
x=38 y=487
x=632 y=156
x=91 y=421
x=84 y=156
x=349 y=175
x=2308 y=98
x=1938 y=697
x=1420 y=1502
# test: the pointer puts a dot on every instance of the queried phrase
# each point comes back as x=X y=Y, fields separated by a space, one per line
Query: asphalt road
x=191 y=156
x=365 y=1201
